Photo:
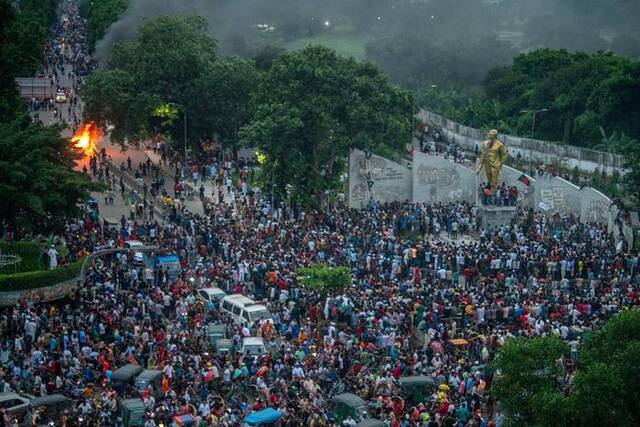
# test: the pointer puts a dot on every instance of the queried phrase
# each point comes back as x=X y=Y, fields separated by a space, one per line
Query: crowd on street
x=431 y=294
x=420 y=303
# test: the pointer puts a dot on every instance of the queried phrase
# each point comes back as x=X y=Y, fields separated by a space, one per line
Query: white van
x=211 y=295
x=243 y=310
x=253 y=346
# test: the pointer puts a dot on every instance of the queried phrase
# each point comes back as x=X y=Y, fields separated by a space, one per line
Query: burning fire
x=86 y=139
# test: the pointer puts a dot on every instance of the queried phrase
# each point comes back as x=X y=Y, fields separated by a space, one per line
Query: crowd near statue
x=492 y=157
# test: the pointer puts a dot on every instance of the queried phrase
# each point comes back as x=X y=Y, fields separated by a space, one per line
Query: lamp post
x=533 y=134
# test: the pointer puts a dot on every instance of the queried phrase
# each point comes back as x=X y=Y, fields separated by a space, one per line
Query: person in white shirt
x=53 y=258
x=297 y=372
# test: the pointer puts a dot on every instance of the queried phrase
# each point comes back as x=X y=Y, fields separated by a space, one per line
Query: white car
x=138 y=257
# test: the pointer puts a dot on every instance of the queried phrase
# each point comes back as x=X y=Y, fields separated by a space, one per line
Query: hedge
x=41 y=278
x=32 y=253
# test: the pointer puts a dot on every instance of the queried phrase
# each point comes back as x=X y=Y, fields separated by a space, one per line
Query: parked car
x=138 y=257
x=61 y=96
x=245 y=311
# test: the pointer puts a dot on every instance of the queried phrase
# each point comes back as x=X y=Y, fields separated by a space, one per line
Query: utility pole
x=533 y=135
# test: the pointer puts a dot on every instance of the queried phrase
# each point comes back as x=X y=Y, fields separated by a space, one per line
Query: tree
x=108 y=96
x=527 y=379
x=38 y=183
x=220 y=99
x=607 y=382
x=631 y=178
x=22 y=36
x=323 y=278
x=167 y=55
x=100 y=15
x=582 y=93
x=535 y=390
x=311 y=108
x=161 y=65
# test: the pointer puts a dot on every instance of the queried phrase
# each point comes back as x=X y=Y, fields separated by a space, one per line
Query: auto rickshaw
x=50 y=407
x=132 y=412
x=224 y=345
x=416 y=389
x=125 y=376
x=347 y=405
x=150 y=378
x=215 y=333
x=266 y=417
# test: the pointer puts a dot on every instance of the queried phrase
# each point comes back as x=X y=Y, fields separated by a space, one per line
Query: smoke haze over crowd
x=491 y=31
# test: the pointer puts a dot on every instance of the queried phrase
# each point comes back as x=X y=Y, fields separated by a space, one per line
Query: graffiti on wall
x=377 y=177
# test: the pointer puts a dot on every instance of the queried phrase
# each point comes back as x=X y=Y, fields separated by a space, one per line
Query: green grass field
x=346 y=44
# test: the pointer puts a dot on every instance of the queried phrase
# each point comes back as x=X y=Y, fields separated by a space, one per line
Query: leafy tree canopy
x=535 y=389
x=22 y=35
x=100 y=15
x=312 y=106
x=172 y=61
x=38 y=184
x=582 y=92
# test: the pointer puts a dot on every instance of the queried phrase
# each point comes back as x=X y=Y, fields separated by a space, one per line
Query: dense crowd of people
x=502 y=195
x=431 y=294
x=414 y=293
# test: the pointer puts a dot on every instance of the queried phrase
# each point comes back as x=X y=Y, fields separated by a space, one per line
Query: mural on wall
x=596 y=207
x=378 y=178
x=556 y=195
x=436 y=179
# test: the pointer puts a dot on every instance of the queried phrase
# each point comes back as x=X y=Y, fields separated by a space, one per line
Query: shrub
x=41 y=278
x=324 y=278
x=30 y=253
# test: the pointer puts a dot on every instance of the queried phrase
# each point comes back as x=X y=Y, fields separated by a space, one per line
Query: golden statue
x=492 y=157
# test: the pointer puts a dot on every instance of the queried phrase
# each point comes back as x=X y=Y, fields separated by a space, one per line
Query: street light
x=533 y=134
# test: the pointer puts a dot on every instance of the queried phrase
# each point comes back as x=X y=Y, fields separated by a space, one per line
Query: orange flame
x=86 y=139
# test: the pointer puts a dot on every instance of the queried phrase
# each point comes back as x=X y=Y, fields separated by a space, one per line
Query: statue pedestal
x=496 y=216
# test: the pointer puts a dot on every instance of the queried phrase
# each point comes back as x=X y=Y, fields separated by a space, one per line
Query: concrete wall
x=45 y=294
x=391 y=181
x=595 y=206
x=540 y=151
x=436 y=179
x=555 y=195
